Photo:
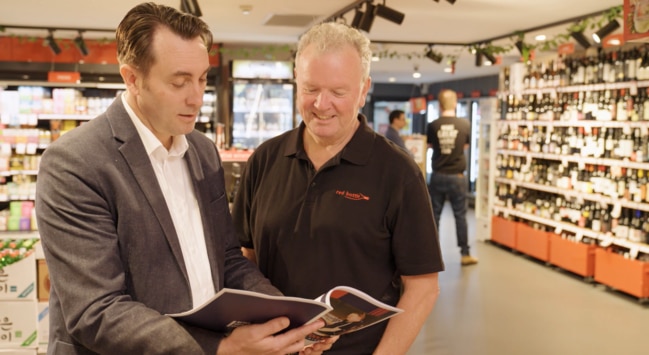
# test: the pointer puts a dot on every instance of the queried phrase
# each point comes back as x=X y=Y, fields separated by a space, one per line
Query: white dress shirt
x=173 y=176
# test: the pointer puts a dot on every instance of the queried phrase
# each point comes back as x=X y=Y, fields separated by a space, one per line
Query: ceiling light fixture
x=358 y=16
x=246 y=9
x=49 y=40
x=520 y=46
x=389 y=14
x=605 y=31
x=434 y=56
x=191 y=7
x=81 y=45
x=490 y=57
x=416 y=74
x=451 y=1
x=478 y=57
x=581 y=39
x=365 y=24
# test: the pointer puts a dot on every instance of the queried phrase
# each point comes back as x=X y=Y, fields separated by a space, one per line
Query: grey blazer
x=115 y=261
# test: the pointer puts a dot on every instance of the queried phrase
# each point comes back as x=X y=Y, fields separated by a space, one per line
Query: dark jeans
x=454 y=188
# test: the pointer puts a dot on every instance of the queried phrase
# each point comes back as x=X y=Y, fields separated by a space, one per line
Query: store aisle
x=509 y=304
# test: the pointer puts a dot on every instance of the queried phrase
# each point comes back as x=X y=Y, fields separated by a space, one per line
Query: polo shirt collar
x=357 y=151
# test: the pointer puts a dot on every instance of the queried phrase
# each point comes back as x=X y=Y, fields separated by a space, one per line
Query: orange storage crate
x=630 y=276
x=572 y=256
x=503 y=231
x=533 y=242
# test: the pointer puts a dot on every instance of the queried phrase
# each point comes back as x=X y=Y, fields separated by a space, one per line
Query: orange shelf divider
x=533 y=242
x=572 y=256
x=503 y=231
x=630 y=276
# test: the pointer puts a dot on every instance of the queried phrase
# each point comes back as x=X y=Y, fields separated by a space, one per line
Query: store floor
x=509 y=304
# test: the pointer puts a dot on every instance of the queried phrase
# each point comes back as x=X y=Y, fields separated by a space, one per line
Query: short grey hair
x=331 y=36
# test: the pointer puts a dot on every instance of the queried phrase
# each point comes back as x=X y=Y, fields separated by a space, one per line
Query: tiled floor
x=509 y=304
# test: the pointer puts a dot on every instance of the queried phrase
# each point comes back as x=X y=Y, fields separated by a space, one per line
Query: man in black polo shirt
x=449 y=136
x=334 y=203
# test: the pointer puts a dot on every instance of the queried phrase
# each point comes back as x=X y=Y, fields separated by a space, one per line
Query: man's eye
x=178 y=84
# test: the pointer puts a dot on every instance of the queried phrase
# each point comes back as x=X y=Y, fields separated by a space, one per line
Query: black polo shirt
x=362 y=220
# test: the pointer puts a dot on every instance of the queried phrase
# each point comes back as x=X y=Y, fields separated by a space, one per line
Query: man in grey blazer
x=133 y=213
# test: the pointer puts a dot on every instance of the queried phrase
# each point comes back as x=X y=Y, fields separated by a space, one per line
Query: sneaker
x=468 y=260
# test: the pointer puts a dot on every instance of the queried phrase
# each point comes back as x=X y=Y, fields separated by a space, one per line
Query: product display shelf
x=564 y=159
x=573 y=256
x=533 y=242
x=604 y=239
x=631 y=85
x=503 y=231
x=618 y=272
x=571 y=193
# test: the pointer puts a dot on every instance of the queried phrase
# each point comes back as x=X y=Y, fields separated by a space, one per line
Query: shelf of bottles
x=572 y=148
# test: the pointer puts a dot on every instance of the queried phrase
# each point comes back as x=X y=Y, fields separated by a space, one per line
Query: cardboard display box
x=627 y=275
x=572 y=256
x=18 y=325
x=503 y=231
x=533 y=242
x=18 y=280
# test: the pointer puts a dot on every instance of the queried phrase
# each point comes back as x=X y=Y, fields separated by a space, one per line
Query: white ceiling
x=426 y=21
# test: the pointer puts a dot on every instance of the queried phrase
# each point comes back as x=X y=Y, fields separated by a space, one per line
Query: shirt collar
x=151 y=143
x=357 y=151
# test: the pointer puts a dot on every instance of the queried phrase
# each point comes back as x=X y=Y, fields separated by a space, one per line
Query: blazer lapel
x=132 y=149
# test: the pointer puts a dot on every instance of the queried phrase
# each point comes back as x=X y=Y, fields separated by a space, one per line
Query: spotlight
x=605 y=31
x=581 y=39
x=358 y=15
x=416 y=74
x=434 y=56
x=478 y=57
x=49 y=40
x=520 y=45
x=191 y=7
x=368 y=17
x=451 y=1
x=389 y=13
x=490 y=57
x=81 y=45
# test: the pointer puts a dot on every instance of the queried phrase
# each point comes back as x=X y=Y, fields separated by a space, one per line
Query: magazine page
x=231 y=308
x=352 y=310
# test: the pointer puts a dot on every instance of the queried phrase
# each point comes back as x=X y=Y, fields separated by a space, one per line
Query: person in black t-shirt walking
x=449 y=136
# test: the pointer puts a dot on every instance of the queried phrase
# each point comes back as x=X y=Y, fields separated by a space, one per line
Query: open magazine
x=344 y=309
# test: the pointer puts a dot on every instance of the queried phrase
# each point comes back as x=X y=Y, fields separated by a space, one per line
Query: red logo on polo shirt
x=352 y=196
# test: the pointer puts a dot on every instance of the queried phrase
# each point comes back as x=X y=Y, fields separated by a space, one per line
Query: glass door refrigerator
x=263 y=104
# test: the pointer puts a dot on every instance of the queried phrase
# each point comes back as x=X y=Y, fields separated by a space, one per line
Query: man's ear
x=130 y=75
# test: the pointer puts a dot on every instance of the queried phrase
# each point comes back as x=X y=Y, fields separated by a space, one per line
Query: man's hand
x=260 y=338
x=319 y=347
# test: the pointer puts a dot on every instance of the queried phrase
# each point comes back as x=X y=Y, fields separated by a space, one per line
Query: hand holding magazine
x=344 y=309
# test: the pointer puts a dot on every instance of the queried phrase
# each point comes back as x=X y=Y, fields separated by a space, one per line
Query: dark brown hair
x=135 y=33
